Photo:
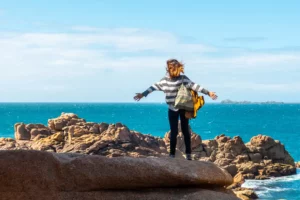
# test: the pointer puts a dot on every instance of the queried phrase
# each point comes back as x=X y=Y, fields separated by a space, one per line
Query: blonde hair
x=174 y=68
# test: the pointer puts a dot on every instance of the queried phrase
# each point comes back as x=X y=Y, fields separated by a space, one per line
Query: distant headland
x=228 y=101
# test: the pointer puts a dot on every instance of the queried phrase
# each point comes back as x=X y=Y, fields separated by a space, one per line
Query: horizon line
x=235 y=102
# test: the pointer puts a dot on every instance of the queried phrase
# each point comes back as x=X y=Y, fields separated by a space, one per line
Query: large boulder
x=235 y=146
x=21 y=133
x=54 y=174
x=144 y=194
x=270 y=149
x=65 y=119
x=262 y=141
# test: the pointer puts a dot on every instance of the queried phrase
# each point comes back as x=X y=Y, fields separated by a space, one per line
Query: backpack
x=198 y=102
x=184 y=99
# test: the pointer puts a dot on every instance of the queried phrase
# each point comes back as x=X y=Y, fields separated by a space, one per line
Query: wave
x=274 y=186
x=253 y=183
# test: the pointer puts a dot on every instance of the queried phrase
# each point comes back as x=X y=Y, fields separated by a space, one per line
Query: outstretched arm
x=155 y=87
x=197 y=88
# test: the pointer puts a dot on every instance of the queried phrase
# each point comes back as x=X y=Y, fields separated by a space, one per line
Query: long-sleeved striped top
x=170 y=87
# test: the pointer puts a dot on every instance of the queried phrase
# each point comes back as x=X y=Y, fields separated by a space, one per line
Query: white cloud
x=251 y=60
x=35 y=53
x=70 y=60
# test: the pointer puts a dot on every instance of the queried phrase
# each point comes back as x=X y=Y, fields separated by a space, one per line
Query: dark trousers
x=173 y=120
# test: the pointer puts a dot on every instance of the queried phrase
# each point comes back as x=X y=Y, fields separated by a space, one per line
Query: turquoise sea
x=280 y=121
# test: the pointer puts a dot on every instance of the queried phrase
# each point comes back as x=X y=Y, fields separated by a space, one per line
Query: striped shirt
x=170 y=87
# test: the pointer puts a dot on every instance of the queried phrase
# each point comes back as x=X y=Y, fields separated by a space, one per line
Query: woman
x=170 y=85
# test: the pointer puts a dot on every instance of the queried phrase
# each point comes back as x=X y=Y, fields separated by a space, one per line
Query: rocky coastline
x=69 y=139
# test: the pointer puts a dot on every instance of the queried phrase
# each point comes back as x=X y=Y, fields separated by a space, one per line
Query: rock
x=65 y=119
x=249 y=168
x=209 y=146
x=278 y=169
x=30 y=131
x=222 y=138
x=196 y=141
x=233 y=186
x=270 y=148
x=103 y=127
x=122 y=134
x=238 y=178
x=40 y=131
x=231 y=169
x=37 y=126
x=114 y=133
x=223 y=162
x=49 y=143
x=213 y=156
x=249 y=176
x=297 y=164
x=59 y=137
x=267 y=162
x=21 y=133
x=261 y=177
x=119 y=125
x=95 y=129
x=241 y=159
x=235 y=146
x=262 y=141
x=144 y=194
x=7 y=144
x=255 y=157
x=79 y=131
x=245 y=194
x=97 y=146
x=260 y=158
x=53 y=173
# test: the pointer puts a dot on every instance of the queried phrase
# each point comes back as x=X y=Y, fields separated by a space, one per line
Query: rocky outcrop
x=276 y=170
x=261 y=158
x=253 y=159
x=70 y=133
x=269 y=148
x=30 y=131
x=99 y=176
x=240 y=192
x=297 y=164
x=66 y=119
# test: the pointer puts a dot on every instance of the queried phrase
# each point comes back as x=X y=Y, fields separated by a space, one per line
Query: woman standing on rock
x=170 y=85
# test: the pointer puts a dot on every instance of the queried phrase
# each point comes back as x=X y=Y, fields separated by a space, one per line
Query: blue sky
x=106 y=51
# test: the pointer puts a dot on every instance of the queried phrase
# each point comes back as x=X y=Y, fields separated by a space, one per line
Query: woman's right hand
x=138 y=96
x=212 y=95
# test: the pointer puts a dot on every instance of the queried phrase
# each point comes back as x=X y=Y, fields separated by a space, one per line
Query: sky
x=108 y=50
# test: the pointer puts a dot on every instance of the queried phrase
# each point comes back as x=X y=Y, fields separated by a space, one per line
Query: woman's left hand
x=212 y=95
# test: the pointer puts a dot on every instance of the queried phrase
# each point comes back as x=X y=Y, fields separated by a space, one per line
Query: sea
x=280 y=121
